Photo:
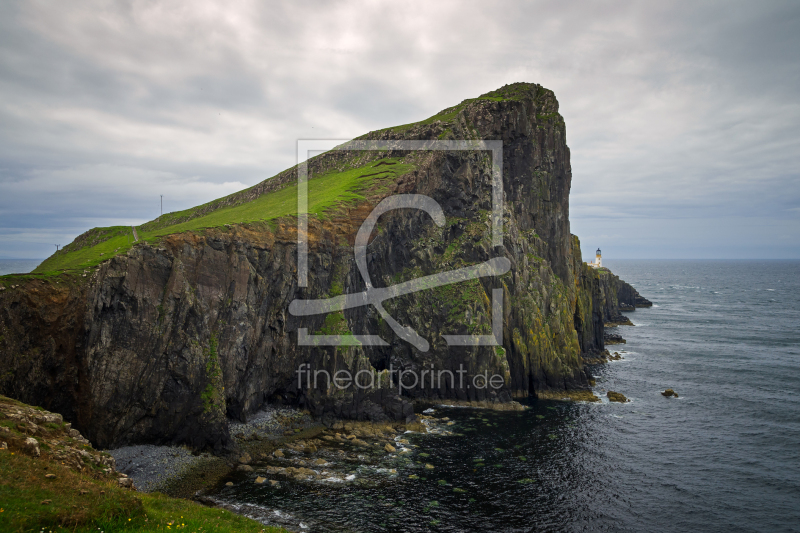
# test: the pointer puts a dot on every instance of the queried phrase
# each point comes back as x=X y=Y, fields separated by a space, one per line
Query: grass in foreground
x=80 y=503
x=326 y=193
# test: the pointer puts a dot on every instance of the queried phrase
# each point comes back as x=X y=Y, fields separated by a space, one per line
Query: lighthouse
x=598 y=259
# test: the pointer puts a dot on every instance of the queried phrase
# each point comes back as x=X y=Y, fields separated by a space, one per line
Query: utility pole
x=162 y=204
x=56 y=245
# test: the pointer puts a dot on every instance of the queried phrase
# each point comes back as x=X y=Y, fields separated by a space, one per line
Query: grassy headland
x=326 y=193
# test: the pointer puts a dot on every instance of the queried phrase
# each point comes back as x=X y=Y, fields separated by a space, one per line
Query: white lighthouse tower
x=598 y=259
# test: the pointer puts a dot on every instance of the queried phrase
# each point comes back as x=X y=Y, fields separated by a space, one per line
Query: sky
x=683 y=118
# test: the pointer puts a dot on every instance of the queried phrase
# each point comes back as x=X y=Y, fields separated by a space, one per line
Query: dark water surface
x=723 y=457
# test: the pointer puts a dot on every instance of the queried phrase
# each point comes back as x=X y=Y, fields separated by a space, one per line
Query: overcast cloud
x=683 y=118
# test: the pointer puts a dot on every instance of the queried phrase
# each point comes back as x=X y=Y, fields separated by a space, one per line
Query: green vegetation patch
x=77 y=502
x=107 y=242
x=335 y=324
x=446 y=116
x=214 y=395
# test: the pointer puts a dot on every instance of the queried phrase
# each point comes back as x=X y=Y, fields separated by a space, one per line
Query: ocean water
x=724 y=457
x=18 y=266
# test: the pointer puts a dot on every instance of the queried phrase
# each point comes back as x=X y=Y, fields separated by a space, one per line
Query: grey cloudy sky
x=683 y=117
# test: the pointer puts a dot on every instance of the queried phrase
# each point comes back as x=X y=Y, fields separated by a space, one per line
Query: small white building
x=598 y=260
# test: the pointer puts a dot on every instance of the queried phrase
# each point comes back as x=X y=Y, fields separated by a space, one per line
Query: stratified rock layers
x=167 y=342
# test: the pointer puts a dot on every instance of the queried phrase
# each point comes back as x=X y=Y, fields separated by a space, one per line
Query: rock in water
x=668 y=393
x=616 y=397
x=389 y=448
x=260 y=480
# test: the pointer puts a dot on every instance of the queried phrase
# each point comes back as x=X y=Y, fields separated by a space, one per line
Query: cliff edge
x=165 y=338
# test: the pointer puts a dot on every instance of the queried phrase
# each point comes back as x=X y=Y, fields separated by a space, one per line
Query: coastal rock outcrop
x=168 y=341
x=33 y=431
x=616 y=397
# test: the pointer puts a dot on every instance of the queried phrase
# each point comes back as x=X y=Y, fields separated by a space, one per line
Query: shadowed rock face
x=167 y=342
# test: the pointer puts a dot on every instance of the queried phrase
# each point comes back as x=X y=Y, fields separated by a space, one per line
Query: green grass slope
x=51 y=491
x=75 y=502
x=326 y=193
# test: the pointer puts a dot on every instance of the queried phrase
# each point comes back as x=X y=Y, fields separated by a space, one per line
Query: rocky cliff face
x=168 y=341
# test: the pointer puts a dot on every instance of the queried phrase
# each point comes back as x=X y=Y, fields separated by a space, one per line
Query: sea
x=722 y=457
x=18 y=266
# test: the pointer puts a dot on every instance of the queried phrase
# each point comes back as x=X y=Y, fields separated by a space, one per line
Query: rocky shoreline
x=283 y=443
x=181 y=471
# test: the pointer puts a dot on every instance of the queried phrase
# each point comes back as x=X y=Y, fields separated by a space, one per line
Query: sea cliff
x=167 y=338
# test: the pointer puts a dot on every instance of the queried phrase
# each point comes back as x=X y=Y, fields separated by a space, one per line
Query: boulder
x=389 y=448
x=244 y=468
x=616 y=397
x=668 y=393
x=31 y=447
x=245 y=458
x=260 y=480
